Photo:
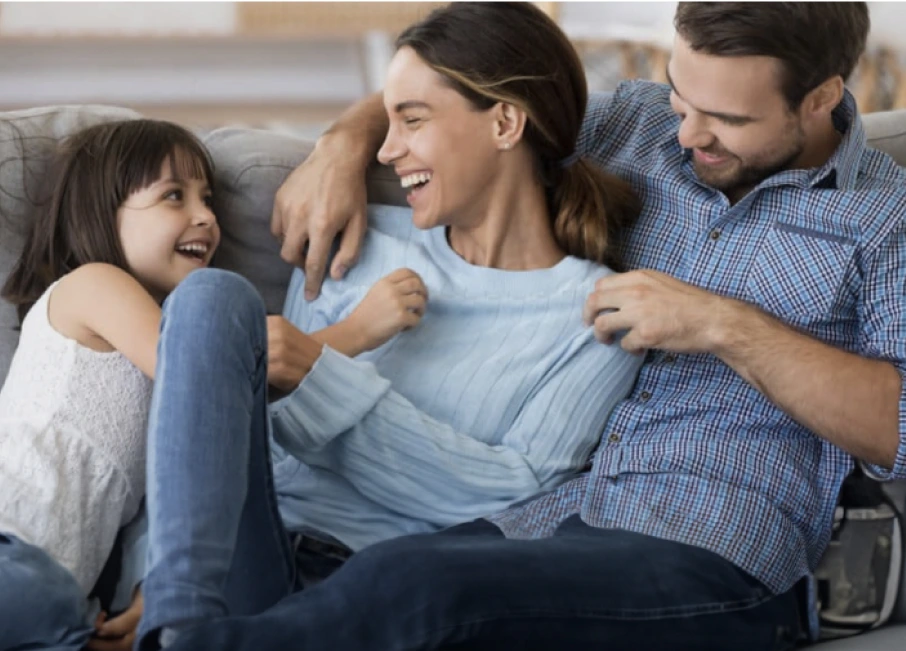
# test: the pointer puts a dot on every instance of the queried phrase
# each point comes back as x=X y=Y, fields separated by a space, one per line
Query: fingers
x=596 y=303
x=295 y=238
x=350 y=245
x=122 y=625
x=316 y=261
x=413 y=303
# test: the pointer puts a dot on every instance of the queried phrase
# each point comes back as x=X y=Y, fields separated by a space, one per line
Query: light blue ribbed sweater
x=500 y=393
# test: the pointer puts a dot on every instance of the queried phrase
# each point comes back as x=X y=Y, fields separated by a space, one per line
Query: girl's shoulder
x=76 y=297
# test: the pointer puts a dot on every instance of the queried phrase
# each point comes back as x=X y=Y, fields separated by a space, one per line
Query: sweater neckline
x=565 y=273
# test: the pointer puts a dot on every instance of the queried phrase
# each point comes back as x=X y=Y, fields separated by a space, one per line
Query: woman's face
x=443 y=149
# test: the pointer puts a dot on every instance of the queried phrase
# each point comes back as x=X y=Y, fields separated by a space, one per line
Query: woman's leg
x=470 y=588
x=42 y=606
x=216 y=545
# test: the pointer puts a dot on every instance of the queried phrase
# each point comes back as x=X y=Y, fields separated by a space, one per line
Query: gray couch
x=250 y=166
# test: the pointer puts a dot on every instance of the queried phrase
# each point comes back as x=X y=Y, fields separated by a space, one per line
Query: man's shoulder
x=636 y=115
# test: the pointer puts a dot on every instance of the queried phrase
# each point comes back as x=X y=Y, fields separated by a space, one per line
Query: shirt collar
x=845 y=161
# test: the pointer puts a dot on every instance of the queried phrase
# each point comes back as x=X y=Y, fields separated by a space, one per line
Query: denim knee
x=217 y=296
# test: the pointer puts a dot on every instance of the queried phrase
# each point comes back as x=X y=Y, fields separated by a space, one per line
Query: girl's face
x=443 y=150
x=168 y=230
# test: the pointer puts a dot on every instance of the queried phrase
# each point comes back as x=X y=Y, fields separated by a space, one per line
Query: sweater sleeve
x=344 y=416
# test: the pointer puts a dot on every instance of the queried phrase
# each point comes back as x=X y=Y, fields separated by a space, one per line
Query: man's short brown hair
x=814 y=40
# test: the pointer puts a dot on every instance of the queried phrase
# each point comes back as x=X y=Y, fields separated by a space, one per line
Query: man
x=767 y=295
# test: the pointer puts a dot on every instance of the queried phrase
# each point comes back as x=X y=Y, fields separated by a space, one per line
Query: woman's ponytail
x=591 y=209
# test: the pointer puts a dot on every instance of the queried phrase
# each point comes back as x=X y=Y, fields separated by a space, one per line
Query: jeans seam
x=289 y=562
x=640 y=614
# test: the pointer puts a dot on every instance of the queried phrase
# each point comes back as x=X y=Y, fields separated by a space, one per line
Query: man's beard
x=742 y=175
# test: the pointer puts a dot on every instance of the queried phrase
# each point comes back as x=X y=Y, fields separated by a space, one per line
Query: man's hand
x=655 y=311
x=322 y=197
x=291 y=354
x=117 y=634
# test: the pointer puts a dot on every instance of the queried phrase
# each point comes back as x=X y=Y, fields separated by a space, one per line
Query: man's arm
x=851 y=401
x=325 y=195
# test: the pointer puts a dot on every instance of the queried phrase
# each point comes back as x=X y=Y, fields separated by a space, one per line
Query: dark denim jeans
x=211 y=496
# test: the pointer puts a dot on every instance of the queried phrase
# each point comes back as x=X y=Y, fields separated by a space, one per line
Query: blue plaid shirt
x=695 y=454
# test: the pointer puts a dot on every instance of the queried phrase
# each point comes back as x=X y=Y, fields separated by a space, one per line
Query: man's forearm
x=851 y=401
x=359 y=131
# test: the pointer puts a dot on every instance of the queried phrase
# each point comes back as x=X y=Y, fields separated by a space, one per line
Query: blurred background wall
x=297 y=65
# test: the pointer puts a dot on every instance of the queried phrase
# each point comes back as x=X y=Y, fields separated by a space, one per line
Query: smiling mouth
x=194 y=250
x=415 y=181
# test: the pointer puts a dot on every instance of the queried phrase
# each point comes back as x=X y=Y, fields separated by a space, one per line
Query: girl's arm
x=104 y=308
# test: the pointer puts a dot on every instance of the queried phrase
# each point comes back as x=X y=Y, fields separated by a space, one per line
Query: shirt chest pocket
x=799 y=274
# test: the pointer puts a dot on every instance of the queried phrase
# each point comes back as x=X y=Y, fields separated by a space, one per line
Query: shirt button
x=614 y=438
x=715 y=234
x=670 y=358
x=644 y=396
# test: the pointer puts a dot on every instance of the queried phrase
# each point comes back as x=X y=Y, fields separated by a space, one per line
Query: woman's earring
x=507 y=145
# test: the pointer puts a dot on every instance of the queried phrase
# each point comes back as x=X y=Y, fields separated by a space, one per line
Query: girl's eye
x=209 y=201
x=174 y=195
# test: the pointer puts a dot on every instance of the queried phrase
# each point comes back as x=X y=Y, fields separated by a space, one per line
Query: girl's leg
x=216 y=544
x=41 y=604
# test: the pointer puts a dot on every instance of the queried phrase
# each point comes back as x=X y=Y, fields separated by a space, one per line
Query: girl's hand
x=395 y=303
x=117 y=634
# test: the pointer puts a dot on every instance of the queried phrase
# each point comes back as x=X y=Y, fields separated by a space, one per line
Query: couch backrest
x=250 y=165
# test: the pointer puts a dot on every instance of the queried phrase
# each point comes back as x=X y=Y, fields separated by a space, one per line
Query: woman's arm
x=346 y=417
x=104 y=308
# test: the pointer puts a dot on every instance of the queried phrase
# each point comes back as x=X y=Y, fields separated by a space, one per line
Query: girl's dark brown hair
x=93 y=173
x=512 y=52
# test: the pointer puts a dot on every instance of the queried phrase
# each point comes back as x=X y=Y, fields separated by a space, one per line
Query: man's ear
x=822 y=100
x=509 y=124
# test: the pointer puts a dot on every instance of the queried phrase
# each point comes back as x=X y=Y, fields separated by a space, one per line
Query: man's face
x=734 y=118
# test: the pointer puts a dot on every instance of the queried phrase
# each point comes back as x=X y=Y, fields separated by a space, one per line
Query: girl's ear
x=509 y=125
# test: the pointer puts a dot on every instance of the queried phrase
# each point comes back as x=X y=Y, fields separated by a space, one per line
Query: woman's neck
x=514 y=232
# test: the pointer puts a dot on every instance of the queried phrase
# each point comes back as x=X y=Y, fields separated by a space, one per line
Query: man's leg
x=216 y=545
x=470 y=588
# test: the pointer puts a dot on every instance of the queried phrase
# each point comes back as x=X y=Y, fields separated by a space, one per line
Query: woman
x=482 y=390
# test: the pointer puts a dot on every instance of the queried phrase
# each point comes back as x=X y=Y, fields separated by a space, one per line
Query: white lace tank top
x=72 y=446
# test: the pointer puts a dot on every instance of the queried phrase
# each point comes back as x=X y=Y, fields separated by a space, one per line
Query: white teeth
x=414 y=179
x=193 y=247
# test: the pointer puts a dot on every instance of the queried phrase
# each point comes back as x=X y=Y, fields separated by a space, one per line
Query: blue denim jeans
x=216 y=544
x=218 y=533
x=42 y=606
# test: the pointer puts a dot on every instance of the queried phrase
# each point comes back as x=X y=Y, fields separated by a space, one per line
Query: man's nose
x=694 y=132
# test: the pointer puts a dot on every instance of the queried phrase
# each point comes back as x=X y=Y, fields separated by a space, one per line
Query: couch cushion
x=27 y=140
x=250 y=165
x=887 y=131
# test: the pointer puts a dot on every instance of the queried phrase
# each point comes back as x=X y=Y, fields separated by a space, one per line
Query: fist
x=290 y=354
x=395 y=303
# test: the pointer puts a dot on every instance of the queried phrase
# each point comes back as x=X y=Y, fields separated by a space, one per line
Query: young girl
x=129 y=217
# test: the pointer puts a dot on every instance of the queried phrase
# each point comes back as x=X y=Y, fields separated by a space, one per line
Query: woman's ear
x=509 y=124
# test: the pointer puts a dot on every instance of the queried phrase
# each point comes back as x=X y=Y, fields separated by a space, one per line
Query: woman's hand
x=117 y=634
x=395 y=303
